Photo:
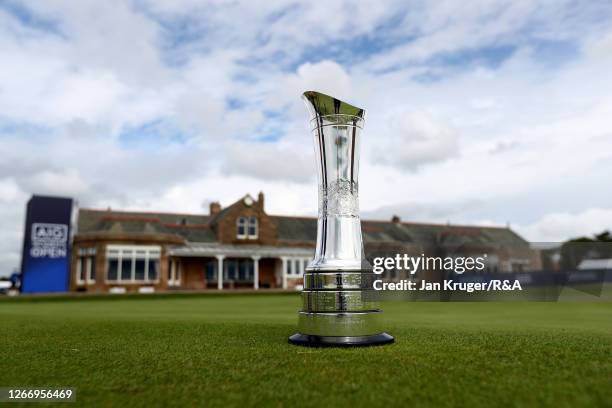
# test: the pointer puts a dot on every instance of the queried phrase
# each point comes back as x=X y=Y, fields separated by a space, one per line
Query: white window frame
x=151 y=252
x=297 y=266
x=79 y=268
x=90 y=263
x=245 y=224
x=175 y=273
x=256 y=225
x=88 y=255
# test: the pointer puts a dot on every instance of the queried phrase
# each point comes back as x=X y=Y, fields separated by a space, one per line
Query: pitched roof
x=295 y=228
x=198 y=228
x=192 y=227
x=305 y=229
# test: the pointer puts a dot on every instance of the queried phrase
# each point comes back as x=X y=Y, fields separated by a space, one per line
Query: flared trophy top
x=325 y=109
x=336 y=127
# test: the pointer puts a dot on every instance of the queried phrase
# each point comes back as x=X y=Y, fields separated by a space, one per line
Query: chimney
x=395 y=219
x=214 y=208
x=260 y=200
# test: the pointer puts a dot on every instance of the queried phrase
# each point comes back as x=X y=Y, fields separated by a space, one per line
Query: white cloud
x=10 y=191
x=269 y=162
x=600 y=47
x=423 y=211
x=415 y=139
x=64 y=182
x=325 y=76
x=558 y=227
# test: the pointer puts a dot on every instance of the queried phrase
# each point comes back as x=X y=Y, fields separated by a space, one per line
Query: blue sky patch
x=30 y=19
x=152 y=135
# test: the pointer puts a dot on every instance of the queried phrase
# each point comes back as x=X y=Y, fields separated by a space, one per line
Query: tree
x=578 y=249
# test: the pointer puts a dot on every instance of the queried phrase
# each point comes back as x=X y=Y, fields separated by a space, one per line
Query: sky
x=480 y=112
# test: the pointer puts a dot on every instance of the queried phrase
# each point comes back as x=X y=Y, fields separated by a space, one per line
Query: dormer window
x=246 y=228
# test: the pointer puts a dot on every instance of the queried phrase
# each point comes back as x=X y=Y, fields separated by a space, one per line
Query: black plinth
x=340 y=341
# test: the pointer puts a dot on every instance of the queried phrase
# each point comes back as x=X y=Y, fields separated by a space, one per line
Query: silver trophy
x=339 y=305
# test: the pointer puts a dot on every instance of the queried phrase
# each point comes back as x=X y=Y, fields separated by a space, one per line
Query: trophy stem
x=340 y=307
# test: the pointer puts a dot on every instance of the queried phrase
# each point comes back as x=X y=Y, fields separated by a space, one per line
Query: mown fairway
x=231 y=350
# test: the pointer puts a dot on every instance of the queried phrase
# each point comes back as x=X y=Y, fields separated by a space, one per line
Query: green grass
x=232 y=350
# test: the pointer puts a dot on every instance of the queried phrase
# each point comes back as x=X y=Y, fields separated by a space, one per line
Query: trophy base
x=310 y=340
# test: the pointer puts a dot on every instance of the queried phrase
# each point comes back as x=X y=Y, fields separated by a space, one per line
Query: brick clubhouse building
x=241 y=246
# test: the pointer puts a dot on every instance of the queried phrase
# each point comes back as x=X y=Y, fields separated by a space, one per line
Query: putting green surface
x=232 y=350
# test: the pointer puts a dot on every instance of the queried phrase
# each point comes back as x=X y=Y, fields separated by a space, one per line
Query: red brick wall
x=193 y=273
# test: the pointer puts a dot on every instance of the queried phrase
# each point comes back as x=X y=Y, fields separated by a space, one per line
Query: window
x=246 y=227
x=252 y=232
x=295 y=267
x=241 y=226
x=491 y=264
x=211 y=271
x=174 y=273
x=139 y=269
x=81 y=270
x=112 y=268
x=86 y=266
x=239 y=270
x=92 y=269
x=230 y=270
x=153 y=266
x=126 y=268
x=132 y=263
x=245 y=270
x=242 y=271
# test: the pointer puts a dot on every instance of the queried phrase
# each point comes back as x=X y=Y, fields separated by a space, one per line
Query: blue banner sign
x=45 y=265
